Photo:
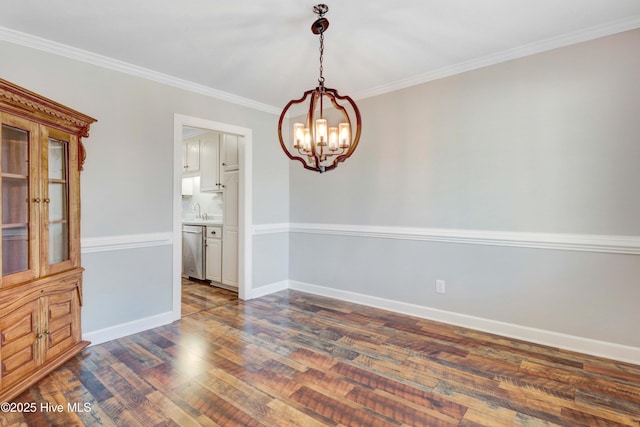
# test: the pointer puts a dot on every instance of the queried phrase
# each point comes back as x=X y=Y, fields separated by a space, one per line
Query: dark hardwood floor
x=294 y=359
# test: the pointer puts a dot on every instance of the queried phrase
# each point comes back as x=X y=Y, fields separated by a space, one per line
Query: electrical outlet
x=440 y=287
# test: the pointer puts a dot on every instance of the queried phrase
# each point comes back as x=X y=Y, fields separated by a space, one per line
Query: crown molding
x=39 y=43
x=568 y=39
x=574 y=37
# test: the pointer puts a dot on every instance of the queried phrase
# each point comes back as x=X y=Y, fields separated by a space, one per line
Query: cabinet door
x=231 y=189
x=210 y=163
x=230 y=229
x=19 y=343
x=230 y=257
x=61 y=322
x=192 y=156
x=20 y=200
x=229 y=152
x=59 y=229
x=214 y=260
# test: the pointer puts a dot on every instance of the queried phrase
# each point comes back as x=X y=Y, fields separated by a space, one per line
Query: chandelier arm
x=311 y=125
x=356 y=137
x=280 y=137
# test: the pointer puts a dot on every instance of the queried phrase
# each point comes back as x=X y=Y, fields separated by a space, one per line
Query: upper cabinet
x=229 y=153
x=191 y=156
x=209 y=156
x=41 y=160
x=210 y=161
x=41 y=157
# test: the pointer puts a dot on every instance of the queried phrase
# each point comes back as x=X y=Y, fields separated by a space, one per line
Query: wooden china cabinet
x=41 y=284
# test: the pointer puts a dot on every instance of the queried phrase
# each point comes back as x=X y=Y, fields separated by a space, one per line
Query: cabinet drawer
x=214 y=232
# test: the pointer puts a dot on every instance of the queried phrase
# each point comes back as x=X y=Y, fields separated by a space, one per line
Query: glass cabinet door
x=37 y=212
x=56 y=231
x=58 y=201
x=17 y=226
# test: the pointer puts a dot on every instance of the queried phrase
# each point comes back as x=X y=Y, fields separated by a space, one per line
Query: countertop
x=216 y=222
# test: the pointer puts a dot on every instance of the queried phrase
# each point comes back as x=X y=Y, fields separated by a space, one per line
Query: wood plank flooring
x=295 y=359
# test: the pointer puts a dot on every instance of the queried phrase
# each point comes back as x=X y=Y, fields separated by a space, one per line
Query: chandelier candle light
x=316 y=143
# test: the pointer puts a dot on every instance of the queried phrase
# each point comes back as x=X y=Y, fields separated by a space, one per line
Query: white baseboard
x=122 y=330
x=554 y=339
x=269 y=289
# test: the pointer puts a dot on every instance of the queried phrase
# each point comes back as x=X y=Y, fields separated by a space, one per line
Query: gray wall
x=127 y=185
x=547 y=144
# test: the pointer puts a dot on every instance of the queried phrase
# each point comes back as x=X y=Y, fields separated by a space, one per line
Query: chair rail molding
x=629 y=245
x=128 y=241
x=274 y=228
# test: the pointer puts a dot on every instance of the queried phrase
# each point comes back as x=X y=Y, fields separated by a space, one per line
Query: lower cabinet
x=214 y=254
x=230 y=229
x=230 y=258
x=39 y=330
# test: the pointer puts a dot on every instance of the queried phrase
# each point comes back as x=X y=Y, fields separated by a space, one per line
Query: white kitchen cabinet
x=230 y=229
x=230 y=258
x=191 y=157
x=214 y=254
x=187 y=186
x=229 y=153
x=230 y=187
x=210 y=162
x=210 y=155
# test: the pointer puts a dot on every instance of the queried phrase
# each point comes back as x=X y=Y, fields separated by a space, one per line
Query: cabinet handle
x=47 y=200
x=213 y=232
x=38 y=335
x=36 y=200
x=47 y=331
x=224 y=164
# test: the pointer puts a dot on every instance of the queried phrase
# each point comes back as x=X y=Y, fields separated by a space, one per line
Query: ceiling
x=264 y=51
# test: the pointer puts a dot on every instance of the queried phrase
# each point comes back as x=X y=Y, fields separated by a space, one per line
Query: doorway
x=244 y=202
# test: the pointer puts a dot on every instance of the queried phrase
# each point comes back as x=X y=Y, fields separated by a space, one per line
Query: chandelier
x=327 y=136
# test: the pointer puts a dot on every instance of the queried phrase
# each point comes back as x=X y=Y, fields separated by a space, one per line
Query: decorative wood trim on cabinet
x=41 y=282
x=24 y=103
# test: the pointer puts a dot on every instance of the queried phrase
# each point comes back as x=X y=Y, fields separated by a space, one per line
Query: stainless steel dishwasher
x=193 y=260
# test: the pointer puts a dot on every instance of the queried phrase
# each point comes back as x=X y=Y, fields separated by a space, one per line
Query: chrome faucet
x=193 y=209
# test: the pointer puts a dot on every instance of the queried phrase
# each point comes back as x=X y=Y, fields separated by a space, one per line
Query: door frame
x=244 y=203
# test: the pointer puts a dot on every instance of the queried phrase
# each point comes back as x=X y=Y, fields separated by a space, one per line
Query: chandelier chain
x=321 y=79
